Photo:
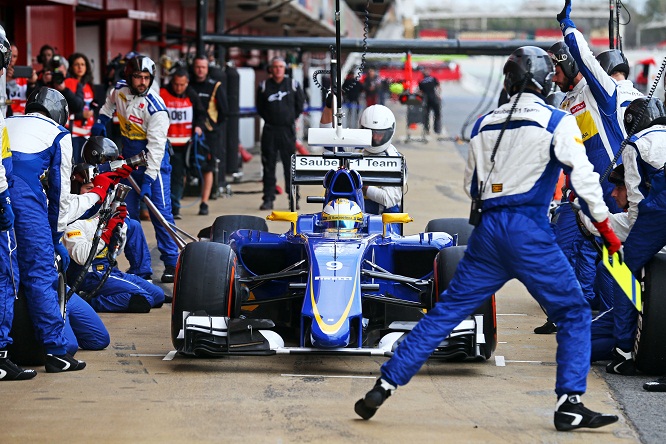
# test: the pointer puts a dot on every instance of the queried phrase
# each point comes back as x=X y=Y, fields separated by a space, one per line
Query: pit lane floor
x=137 y=390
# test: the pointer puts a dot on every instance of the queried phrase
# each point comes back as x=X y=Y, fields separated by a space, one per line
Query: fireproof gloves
x=147 y=187
x=6 y=212
x=102 y=182
x=610 y=239
x=61 y=251
x=110 y=228
x=123 y=172
x=99 y=127
x=563 y=17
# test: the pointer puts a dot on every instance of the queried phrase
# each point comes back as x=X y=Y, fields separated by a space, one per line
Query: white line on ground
x=499 y=361
x=511 y=314
x=169 y=356
x=146 y=354
x=288 y=375
x=524 y=362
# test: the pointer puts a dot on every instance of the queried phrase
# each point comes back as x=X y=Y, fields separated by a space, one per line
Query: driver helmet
x=342 y=215
x=49 y=101
x=381 y=121
x=99 y=149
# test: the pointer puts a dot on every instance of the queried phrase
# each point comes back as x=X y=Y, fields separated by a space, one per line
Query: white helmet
x=342 y=215
x=381 y=121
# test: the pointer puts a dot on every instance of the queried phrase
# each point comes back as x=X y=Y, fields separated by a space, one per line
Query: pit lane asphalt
x=136 y=390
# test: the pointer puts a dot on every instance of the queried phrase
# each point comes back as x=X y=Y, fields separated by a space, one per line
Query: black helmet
x=49 y=101
x=99 y=149
x=650 y=111
x=560 y=55
x=528 y=63
x=612 y=60
x=616 y=176
x=138 y=64
x=5 y=50
x=83 y=173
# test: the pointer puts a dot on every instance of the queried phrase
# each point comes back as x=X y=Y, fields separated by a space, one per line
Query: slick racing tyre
x=225 y=225
x=650 y=345
x=452 y=225
x=446 y=263
x=205 y=281
x=26 y=349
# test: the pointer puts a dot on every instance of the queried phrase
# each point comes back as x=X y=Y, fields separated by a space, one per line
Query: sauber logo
x=135 y=119
x=576 y=108
x=333 y=278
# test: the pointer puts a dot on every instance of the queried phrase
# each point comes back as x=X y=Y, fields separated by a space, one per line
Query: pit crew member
x=9 y=371
x=122 y=292
x=144 y=123
x=41 y=144
x=513 y=238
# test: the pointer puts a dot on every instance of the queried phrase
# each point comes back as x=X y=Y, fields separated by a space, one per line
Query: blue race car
x=338 y=281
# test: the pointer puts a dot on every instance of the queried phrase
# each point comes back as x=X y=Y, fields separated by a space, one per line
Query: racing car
x=337 y=281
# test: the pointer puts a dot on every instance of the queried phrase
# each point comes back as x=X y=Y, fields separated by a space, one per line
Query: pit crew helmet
x=616 y=177
x=528 y=63
x=5 y=50
x=342 y=215
x=138 y=64
x=83 y=173
x=560 y=55
x=612 y=60
x=634 y=122
x=381 y=121
x=50 y=102
x=99 y=149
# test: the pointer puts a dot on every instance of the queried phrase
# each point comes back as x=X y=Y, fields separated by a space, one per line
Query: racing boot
x=367 y=407
x=547 y=328
x=571 y=414
x=12 y=372
x=658 y=385
x=138 y=304
x=622 y=363
x=168 y=275
x=63 y=363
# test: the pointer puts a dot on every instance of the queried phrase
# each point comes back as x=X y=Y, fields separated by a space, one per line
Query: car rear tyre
x=650 y=345
x=446 y=263
x=452 y=225
x=225 y=225
x=205 y=281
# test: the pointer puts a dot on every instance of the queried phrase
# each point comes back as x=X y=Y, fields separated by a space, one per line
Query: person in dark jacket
x=280 y=101
x=213 y=97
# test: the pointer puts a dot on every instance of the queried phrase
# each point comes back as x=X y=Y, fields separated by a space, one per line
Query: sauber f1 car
x=338 y=281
